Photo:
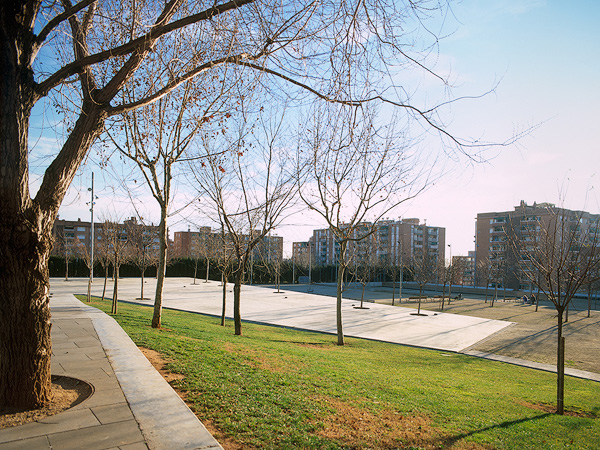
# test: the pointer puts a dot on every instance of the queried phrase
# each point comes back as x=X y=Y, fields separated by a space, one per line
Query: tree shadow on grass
x=450 y=441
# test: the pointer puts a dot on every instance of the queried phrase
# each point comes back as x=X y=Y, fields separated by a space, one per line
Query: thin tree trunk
x=207 y=269
x=237 y=289
x=393 y=288
x=142 y=287
x=195 y=269
x=105 y=281
x=487 y=286
x=66 y=269
x=443 y=295
x=340 y=278
x=115 y=289
x=89 y=291
x=560 y=368
x=162 y=267
x=224 y=283
x=362 y=296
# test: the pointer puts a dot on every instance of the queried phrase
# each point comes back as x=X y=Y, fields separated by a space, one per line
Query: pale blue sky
x=546 y=55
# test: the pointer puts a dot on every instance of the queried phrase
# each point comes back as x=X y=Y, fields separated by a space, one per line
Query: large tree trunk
x=25 y=223
x=162 y=267
x=25 y=344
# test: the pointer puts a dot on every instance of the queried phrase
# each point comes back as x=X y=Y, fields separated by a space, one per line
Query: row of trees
x=186 y=88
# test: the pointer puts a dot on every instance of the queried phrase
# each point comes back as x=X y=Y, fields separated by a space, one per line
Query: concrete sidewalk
x=132 y=407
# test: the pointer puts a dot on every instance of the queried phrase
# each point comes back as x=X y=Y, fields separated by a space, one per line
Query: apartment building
x=193 y=244
x=504 y=239
x=465 y=274
x=301 y=251
x=393 y=242
x=70 y=236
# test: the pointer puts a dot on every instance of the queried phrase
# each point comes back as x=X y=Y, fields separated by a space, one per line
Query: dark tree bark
x=26 y=223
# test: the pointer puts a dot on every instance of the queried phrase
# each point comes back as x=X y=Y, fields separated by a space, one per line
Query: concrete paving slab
x=27 y=444
x=103 y=397
x=136 y=446
x=99 y=437
x=66 y=421
x=113 y=413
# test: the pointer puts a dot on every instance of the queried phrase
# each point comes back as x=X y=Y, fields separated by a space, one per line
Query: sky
x=545 y=57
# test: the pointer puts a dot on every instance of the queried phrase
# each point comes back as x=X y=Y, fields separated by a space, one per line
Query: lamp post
x=451 y=275
x=401 y=274
x=309 y=267
x=91 y=189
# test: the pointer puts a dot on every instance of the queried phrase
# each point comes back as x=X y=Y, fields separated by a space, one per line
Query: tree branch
x=142 y=42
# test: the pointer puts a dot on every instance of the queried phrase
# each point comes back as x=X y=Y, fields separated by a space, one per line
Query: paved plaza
x=310 y=311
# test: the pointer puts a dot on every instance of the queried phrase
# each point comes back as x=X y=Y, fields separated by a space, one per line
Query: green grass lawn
x=280 y=388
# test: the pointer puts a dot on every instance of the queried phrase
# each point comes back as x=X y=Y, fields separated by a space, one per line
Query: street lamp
x=91 y=203
x=451 y=275
x=401 y=274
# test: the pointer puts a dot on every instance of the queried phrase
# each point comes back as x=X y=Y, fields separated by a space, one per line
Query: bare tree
x=155 y=138
x=564 y=257
x=143 y=247
x=250 y=188
x=363 y=261
x=83 y=252
x=393 y=269
x=352 y=170
x=79 y=58
x=456 y=271
x=444 y=275
x=423 y=269
x=116 y=235
x=224 y=257
x=103 y=255
x=482 y=275
x=496 y=274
